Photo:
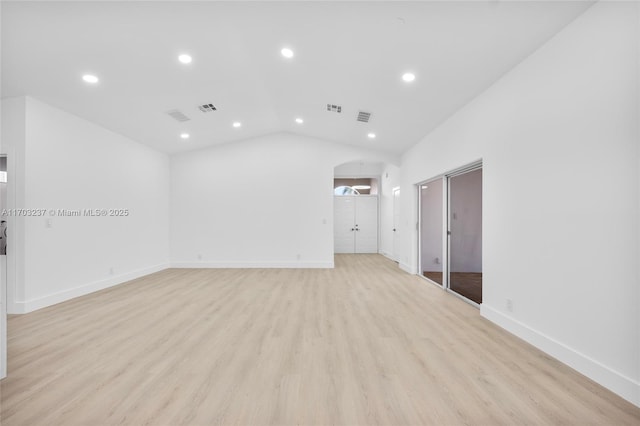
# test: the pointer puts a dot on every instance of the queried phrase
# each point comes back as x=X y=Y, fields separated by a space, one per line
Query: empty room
x=320 y=213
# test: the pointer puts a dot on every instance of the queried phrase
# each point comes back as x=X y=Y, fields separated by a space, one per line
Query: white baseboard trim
x=12 y=307
x=251 y=265
x=407 y=268
x=616 y=382
x=52 y=299
x=388 y=255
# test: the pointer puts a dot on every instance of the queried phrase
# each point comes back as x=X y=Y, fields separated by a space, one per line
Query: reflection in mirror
x=431 y=258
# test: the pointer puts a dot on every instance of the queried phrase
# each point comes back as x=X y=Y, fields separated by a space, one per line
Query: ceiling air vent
x=364 y=116
x=178 y=115
x=207 y=107
x=334 y=108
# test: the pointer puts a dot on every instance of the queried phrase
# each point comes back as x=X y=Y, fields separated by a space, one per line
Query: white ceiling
x=347 y=53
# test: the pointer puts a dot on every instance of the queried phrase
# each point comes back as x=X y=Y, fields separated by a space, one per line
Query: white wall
x=558 y=136
x=359 y=169
x=265 y=202
x=74 y=164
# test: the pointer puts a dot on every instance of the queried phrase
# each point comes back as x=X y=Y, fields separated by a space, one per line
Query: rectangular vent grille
x=364 y=116
x=334 y=108
x=178 y=115
x=207 y=107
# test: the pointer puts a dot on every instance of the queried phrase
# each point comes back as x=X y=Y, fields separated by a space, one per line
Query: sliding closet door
x=465 y=234
x=431 y=230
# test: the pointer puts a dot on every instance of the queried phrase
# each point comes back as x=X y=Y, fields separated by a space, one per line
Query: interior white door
x=344 y=208
x=396 y=224
x=366 y=224
x=355 y=224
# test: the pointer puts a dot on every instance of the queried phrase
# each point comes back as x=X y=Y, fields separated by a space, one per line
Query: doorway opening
x=356 y=222
x=355 y=186
x=450 y=231
x=465 y=234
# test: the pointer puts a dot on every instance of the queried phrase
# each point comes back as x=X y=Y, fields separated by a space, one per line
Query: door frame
x=446 y=236
x=445 y=254
x=476 y=165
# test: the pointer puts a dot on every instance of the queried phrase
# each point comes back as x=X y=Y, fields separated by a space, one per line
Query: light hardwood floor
x=364 y=344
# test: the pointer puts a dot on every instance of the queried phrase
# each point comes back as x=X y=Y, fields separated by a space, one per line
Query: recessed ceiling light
x=184 y=135
x=371 y=135
x=287 y=53
x=90 y=78
x=299 y=120
x=237 y=124
x=185 y=59
x=408 y=77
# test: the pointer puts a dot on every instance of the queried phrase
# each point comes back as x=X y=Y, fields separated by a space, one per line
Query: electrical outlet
x=298 y=256
x=509 y=305
x=199 y=256
x=111 y=271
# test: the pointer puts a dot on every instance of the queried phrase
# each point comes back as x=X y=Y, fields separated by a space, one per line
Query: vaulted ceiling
x=348 y=54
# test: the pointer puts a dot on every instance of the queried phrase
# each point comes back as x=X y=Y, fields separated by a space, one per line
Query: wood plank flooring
x=467 y=284
x=362 y=344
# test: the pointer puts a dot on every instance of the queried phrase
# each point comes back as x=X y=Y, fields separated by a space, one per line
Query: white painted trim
x=407 y=268
x=251 y=265
x=387 y=255
x=616 y=382
x=52 y=299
